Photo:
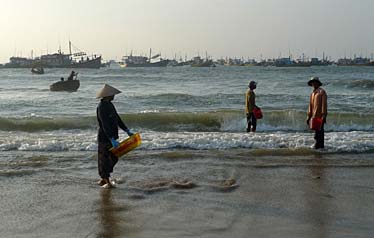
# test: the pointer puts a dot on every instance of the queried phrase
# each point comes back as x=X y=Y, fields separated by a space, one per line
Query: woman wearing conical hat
x=109 y=121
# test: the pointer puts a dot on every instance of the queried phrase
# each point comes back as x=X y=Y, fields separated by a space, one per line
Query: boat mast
x=70 y=47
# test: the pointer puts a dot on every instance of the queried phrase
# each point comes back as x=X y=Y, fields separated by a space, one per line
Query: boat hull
x=367 y=64
x=68 y=85
x=90 y=64
x=204 y=64
x=162 y=63
x=37 y=71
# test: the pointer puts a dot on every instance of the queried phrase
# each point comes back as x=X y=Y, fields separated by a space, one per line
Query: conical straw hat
x=107 y=91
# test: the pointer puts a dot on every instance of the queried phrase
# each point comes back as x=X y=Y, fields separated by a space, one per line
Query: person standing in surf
x=109 y=121
x=317 y=111
x=250 y=103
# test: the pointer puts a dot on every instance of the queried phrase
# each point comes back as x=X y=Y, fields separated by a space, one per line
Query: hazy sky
x=241 y=28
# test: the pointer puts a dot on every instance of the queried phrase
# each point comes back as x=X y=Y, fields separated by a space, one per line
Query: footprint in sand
x=156 y=185
x=162 y=184
x=226 y=185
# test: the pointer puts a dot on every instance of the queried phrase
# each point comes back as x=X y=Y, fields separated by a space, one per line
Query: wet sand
x=234 y=194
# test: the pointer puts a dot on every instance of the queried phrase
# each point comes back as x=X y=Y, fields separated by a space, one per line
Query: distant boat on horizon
x=288 y=62
x=57 y=60
x=356 y=61
x=199 y=62
x=143 y=61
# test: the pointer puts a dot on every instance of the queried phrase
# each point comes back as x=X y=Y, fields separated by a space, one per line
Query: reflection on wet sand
x=108 y=215
x=161 y=184
x=318 y=204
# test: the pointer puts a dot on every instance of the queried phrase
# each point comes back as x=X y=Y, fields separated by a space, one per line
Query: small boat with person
x=66 y=85
x=70 y=85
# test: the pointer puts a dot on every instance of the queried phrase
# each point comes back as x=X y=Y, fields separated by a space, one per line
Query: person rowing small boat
x=72 y=75
x=70 y=85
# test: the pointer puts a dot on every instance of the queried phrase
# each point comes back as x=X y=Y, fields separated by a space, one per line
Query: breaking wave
x=34 y=124
x=362 y=83
x=356 y=84
x=220 y=121
x=262 y=143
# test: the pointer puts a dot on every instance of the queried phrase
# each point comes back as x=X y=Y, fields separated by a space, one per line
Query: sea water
x=192 y=124
x=189 y=108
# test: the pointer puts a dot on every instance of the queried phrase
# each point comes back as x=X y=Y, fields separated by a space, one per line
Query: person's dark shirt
x=71 y=76
x=109 y=121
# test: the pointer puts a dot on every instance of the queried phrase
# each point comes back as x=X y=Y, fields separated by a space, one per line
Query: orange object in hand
x=127 y=145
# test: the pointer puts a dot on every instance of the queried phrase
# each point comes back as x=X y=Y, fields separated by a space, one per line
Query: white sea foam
x=355 y=141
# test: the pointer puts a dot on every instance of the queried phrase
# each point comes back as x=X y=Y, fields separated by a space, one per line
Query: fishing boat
x=288 y=62
x=318 y=62
x=199 y=62
x=143 y=61
x=356 y=61
x=71 y=60
x=58 y=60
x=38 y=70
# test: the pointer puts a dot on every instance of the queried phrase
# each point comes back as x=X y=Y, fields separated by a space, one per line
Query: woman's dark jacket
x=109 y=121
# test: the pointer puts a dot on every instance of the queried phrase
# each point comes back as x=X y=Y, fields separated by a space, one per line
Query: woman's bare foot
x=101 y=182
x=107 y=184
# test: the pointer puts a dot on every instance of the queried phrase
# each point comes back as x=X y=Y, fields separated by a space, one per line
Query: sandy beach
x=319 y=195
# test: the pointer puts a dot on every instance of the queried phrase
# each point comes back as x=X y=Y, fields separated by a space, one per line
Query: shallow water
x=316 y=195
